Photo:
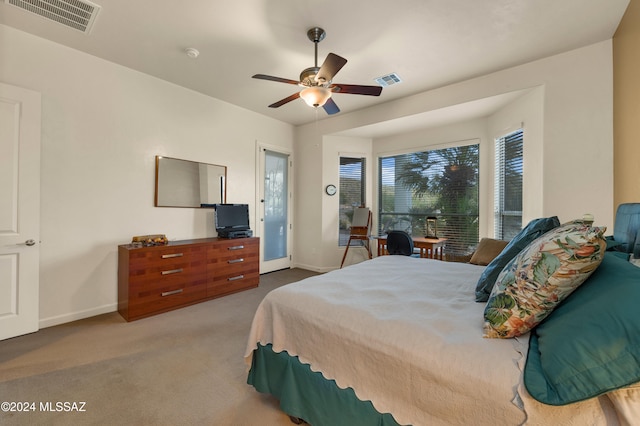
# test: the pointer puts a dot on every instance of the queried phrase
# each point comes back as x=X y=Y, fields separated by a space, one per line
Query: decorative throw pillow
x=533 y=230
x=541 y=276
x=487 y=250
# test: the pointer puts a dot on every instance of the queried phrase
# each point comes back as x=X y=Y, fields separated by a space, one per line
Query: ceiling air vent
x=388 y=80
x=79 y=15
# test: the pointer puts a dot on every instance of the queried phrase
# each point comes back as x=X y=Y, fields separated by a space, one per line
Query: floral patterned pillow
x=541 y=276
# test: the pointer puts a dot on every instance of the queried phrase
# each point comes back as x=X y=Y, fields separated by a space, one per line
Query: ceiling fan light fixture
x=316 y=82
x=315 y=96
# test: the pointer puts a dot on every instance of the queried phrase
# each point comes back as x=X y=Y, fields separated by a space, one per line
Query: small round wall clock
x=330 y=190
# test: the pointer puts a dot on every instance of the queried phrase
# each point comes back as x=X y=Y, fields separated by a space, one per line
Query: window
x=508 y=186
x=441 y=183
x=352 y=193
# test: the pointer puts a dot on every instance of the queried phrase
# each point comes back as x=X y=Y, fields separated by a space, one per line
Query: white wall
x=102 y=127
x=574 y=126
x=335 y=147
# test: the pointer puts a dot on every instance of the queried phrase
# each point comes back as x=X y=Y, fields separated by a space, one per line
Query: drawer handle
x=170 y=293
x=169 y=256
x=172 y=271
x=236 y=247
x=235 y=260
x=239 y=277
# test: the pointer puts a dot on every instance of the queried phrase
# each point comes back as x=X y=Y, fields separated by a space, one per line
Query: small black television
x=231 y=217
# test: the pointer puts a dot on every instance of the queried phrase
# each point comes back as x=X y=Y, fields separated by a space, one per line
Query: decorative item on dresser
x=156 y=279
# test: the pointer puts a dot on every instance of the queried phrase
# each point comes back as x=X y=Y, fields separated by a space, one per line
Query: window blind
x=351 y=193
x=441 y=183
x=508 y=185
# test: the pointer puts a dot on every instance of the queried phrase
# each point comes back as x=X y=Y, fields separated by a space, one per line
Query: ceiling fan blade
x=330 y=67
x=277 y=79
x=330 y=107
x=285 y=100
x=355 y=89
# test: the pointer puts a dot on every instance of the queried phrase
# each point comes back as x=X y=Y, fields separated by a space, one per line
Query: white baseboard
x=312 y=268
x=74 y=316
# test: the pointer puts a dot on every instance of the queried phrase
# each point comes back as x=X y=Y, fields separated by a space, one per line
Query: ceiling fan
x=317 y=81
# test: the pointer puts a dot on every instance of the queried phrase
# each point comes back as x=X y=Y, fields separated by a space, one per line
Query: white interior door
x=19 y=210
x=274 y=210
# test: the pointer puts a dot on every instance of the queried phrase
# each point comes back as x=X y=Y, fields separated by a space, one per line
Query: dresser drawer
x=145 y=301
x=164 y=260
x=165 y=274
x=233 y=279
x=230 y=249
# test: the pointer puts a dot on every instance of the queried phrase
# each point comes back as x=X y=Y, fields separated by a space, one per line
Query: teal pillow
x=533 y=230
x=621 y=255
x=590 y=344
x=611 y=243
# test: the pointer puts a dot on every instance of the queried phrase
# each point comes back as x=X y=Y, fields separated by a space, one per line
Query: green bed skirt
x=308 y=395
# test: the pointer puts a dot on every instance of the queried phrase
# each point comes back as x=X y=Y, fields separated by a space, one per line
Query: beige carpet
x=183 y=367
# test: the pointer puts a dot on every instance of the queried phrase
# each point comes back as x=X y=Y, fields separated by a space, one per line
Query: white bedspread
x=406 y=334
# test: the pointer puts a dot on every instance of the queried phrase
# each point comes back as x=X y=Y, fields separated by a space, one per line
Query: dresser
x=156 y=279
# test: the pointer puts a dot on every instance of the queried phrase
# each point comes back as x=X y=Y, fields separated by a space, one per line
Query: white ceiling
x=428 y=43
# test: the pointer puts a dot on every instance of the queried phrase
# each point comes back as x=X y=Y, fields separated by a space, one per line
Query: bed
x=398 y=341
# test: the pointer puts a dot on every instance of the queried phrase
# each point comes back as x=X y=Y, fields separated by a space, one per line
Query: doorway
x=275 y=209
x=19 y=210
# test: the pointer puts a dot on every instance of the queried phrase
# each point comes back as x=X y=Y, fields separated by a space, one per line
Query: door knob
x=30 y=242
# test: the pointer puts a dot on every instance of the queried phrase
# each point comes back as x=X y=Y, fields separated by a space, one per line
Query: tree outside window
x=441 y=183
